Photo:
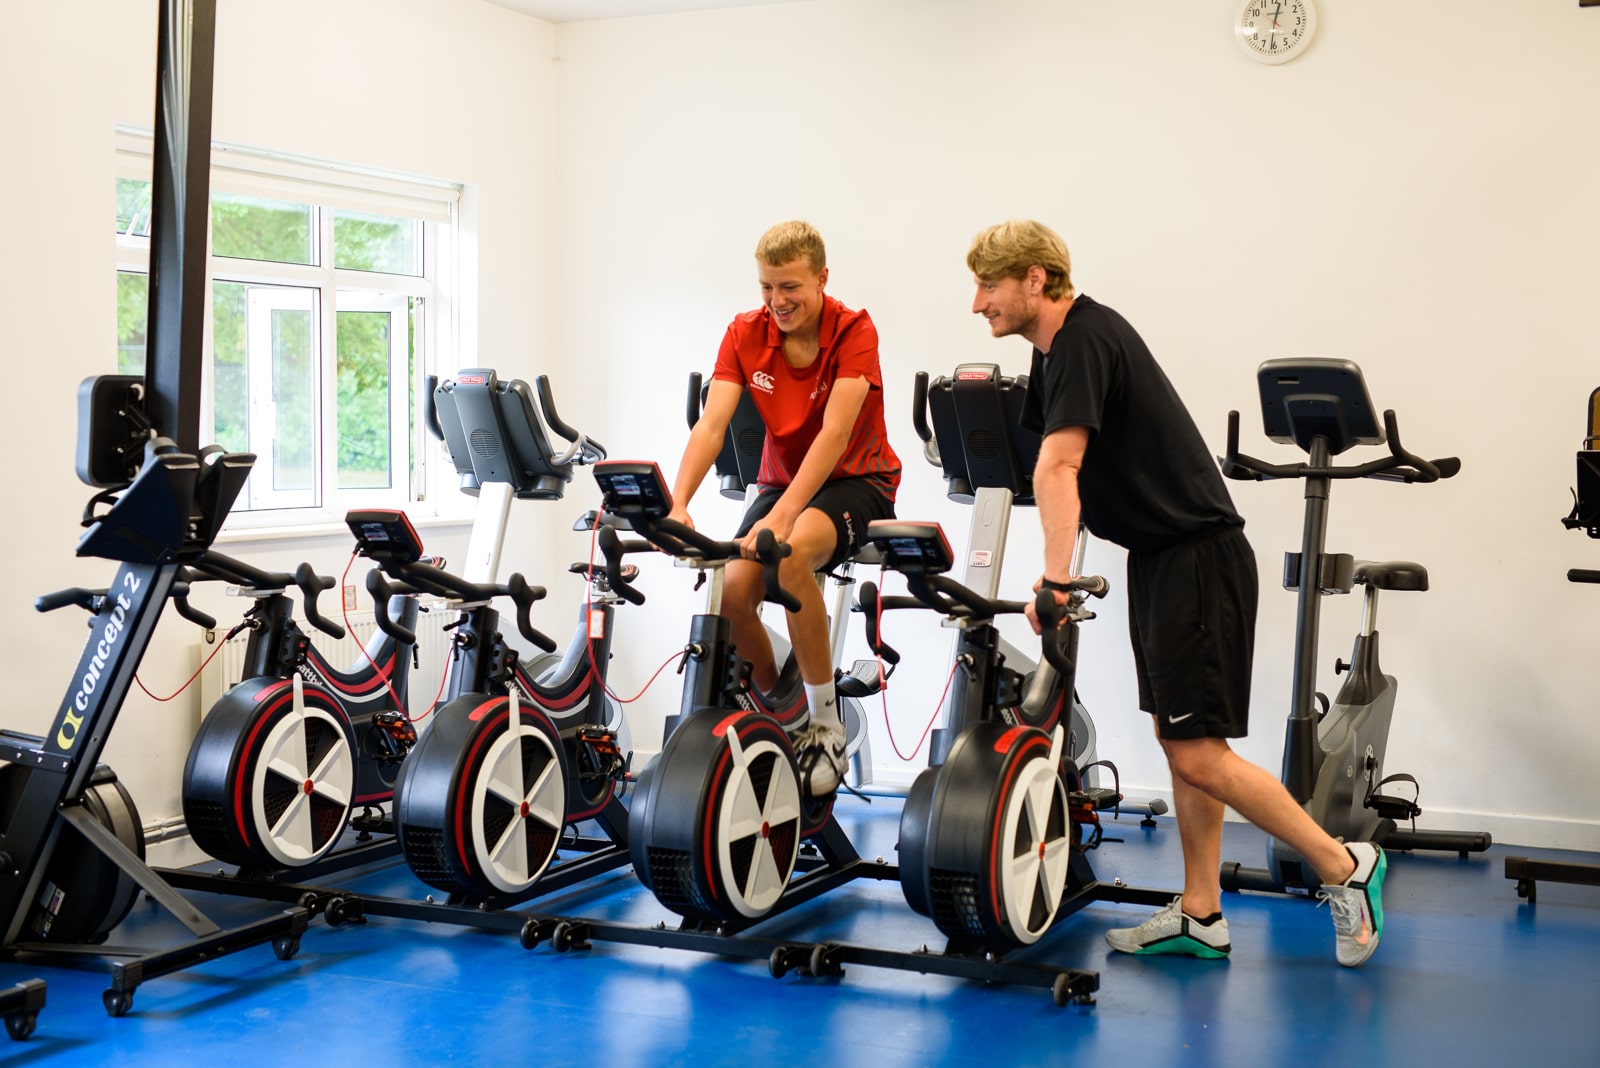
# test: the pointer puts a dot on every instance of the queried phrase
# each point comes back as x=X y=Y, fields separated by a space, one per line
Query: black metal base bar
x=1527 y=872
x=282 y=930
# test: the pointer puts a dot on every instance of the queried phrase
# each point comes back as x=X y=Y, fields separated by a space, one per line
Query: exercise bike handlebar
x=613 y=548
x=583 y=449
x=1579 y=574
x=215 y=565
x=685 y=542
x=1401 y=465
x=919 y=419
x=419 y=577
x=430 y=407
x=693 y=409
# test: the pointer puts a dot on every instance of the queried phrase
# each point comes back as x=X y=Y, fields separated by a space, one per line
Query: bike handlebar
x=1401 y=465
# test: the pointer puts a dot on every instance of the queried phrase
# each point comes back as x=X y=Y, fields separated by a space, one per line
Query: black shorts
x=1192 y=615
x=851 y=503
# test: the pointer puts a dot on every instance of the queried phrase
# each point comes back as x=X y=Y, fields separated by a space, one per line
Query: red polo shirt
x=791 y=401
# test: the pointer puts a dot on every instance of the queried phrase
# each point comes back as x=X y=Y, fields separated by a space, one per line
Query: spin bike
x=284 y=759
x=1333 y=758
x=716 y=822
x=563 y=760
x=994 y=833
x=1585 y=516
x=737 y=465
x=977 y=440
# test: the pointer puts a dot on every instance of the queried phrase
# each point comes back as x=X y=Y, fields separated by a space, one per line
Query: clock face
x=1276 y=31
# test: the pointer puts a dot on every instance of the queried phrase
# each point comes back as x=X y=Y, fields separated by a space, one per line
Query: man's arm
x=705 y=442
x=1055 y=490
x=838 y=422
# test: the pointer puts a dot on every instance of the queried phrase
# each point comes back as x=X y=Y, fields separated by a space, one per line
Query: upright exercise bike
x=1333 y=758
x=1585 y=516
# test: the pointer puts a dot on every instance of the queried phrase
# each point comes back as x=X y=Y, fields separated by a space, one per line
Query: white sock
x=823 y=702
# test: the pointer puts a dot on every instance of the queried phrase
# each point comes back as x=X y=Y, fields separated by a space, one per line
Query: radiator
x=433 y=651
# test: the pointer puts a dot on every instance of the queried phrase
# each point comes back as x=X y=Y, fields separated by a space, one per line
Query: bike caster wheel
x=285 y=947
x=822 y=963
x=20 y=1025
x=341 y=910
x=568 y=936
x=117 y=1002
x=1062 y=993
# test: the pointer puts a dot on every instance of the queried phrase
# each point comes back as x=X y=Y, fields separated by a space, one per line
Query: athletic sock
x=1206 y=921
x=823 y=701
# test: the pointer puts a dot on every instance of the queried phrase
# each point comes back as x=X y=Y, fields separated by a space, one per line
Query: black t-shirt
x=1148 y=481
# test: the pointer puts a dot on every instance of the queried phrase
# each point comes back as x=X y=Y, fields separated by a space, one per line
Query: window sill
x=307 y=531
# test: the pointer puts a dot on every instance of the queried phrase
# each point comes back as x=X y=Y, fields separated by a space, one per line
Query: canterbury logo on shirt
x=762 y=381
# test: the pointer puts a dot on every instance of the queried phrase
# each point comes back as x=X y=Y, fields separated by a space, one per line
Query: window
x=330 y=297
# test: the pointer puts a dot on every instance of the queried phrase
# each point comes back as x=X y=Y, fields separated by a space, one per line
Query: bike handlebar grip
x=613 y=550
x=430 y=407
x=1053 y=635
x=181 y=605
x=77 y=595
x=693 y=410
x=919 y=406
x=1093 y=585
x=769 y=550
x=381 y=591
x=524 y=595
x=588 y=450
x=311 y=585
x=867 y=604
x=1579 y=574
x=1449 y=466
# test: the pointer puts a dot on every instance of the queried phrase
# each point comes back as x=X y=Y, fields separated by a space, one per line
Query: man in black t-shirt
x=1122 y=456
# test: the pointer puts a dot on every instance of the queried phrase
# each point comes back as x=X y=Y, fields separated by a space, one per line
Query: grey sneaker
x=1171 y=931
x=1357 y=905
x=819 y=752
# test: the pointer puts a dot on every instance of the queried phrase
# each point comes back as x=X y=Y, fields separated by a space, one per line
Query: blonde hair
x=788 y=241
x=1009 y=249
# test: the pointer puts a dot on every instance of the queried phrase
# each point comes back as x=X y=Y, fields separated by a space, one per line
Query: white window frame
x=440 y=329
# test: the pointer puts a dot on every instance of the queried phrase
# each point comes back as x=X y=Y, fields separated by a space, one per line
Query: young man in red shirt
x=827 y=470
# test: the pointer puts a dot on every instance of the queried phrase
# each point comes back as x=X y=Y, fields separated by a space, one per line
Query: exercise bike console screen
x=633 y=489
x=1306 y=397
x=911 y=546
x=385 y=535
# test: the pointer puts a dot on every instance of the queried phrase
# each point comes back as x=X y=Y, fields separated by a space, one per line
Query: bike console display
x=633 y=489
x=911 y=546
x=1304 y=398
x=385 y=535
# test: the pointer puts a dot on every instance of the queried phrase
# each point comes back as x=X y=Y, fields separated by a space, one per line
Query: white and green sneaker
x=1172 y=931
x=1357 y=905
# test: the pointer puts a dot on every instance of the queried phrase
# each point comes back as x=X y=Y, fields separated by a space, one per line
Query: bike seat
x=1391 y=575
x=867 y=556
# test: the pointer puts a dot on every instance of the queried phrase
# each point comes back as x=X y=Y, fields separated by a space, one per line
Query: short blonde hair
x=1009 y=249
x=788 y=241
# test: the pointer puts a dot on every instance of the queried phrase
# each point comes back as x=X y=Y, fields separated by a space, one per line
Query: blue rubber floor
x=1467 y=974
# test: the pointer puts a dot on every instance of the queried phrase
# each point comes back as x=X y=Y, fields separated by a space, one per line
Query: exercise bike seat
x=1391 y=575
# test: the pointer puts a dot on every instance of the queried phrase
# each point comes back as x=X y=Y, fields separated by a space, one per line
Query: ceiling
x=581 y=10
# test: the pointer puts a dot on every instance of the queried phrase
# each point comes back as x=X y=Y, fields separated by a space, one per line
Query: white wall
x=455 y=89
x=1415 y=201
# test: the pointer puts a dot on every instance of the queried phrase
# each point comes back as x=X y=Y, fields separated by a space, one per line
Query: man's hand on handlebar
x=1032 y=613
